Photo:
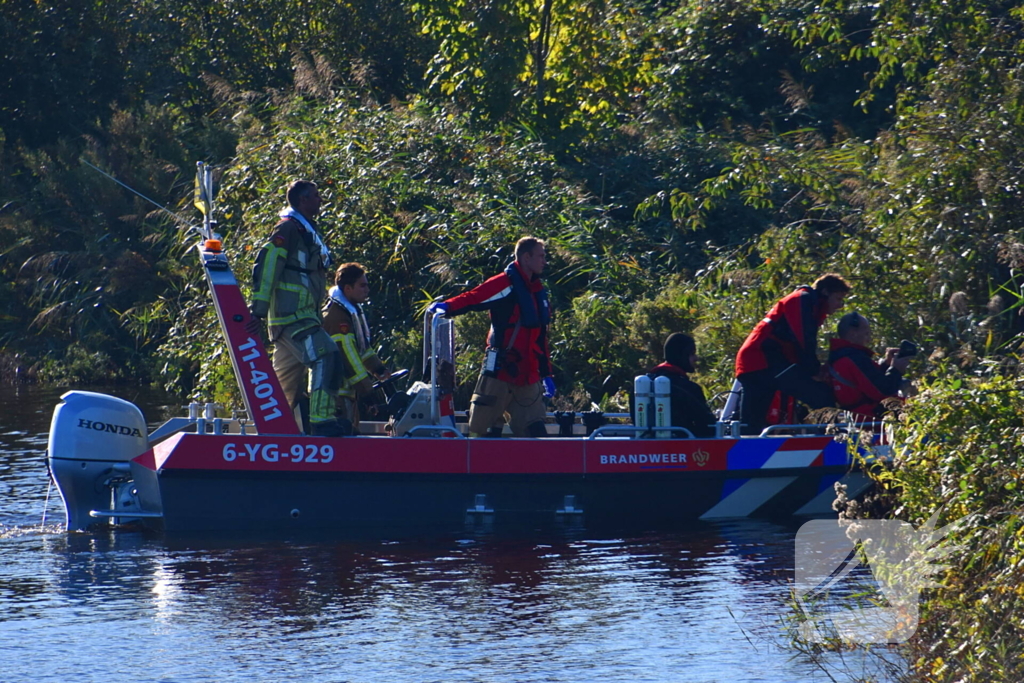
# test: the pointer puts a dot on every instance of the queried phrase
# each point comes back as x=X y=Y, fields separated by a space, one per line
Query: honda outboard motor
x=93 y=438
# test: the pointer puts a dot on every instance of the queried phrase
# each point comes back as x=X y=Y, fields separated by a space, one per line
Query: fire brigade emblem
x=700 y=456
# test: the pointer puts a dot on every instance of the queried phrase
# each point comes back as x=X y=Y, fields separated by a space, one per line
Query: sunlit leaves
x=960 y=449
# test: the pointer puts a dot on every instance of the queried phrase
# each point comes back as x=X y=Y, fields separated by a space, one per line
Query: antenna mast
x=204 y=198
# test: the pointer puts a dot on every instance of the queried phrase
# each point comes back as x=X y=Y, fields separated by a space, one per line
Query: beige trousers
x=494 y=401
x=317 y=353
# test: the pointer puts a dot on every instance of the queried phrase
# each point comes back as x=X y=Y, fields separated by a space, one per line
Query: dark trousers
x=759 y=389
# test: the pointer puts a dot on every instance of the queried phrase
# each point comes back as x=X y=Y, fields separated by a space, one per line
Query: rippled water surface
x=703 y=603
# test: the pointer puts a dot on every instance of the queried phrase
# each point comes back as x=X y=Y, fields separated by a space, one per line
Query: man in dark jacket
x=781 y=353
x=689 y=404
x=517 y=366
x=861 y=383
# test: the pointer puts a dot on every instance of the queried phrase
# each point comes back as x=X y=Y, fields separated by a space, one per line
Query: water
x=701 y=604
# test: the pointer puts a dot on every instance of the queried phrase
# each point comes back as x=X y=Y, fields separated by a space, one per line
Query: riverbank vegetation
x=689 y=162
x=962 y=452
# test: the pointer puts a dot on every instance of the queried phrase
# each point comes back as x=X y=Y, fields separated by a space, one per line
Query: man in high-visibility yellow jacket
x=345 y=322
x=289 y=285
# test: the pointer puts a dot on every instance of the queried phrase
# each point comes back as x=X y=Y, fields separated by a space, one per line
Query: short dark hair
x=348 y=274
x=678 y=349
x=830 y=283
x=526 y=245
x=850 y=321
x=299 y=189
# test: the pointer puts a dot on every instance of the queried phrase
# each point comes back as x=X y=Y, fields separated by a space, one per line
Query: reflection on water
x=699 y=604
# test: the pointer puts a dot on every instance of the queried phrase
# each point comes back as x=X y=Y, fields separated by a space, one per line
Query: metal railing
x=611 y=430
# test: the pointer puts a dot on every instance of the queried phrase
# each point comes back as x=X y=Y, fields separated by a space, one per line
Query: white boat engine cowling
x=93 y=439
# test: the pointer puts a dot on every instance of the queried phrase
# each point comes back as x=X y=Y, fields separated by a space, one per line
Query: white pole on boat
x=435 y=408
x=204 y=197
x=731 y=403
x=427 y=322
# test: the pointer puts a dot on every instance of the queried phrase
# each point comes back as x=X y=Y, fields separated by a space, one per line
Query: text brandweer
x=644 y=458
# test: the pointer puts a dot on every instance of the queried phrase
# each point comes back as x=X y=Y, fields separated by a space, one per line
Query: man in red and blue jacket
x=517 y=367
x=781 y=352
x=859 y=381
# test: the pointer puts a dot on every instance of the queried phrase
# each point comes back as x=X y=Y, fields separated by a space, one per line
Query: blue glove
x=438 y=306
x=549 y=387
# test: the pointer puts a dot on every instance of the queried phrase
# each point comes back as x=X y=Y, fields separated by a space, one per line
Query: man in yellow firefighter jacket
x=345 y=322
x=289 y=283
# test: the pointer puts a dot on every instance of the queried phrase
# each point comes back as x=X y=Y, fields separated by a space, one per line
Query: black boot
x=536 y=430
x=332 y=428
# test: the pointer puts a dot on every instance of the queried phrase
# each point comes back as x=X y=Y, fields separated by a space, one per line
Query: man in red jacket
x=781 y=353
x=860 y=382
x=516 y=375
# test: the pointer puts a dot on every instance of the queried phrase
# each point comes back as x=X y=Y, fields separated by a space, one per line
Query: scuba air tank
x=643 y=392
x=663 y=406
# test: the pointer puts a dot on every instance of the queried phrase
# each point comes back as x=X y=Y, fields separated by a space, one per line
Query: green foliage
x=68 y=63
x=482 y=51
x=568 y=68
x=961 y=449
x=79 y=367
x=79 y=253
x=57 y=72
x=912 y=217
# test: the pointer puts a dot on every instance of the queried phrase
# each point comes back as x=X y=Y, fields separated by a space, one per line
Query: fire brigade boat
x=418 y=468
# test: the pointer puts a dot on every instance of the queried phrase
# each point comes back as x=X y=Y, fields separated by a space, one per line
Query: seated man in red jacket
x=781 y=353
x=860 y=382
x=516 y=375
